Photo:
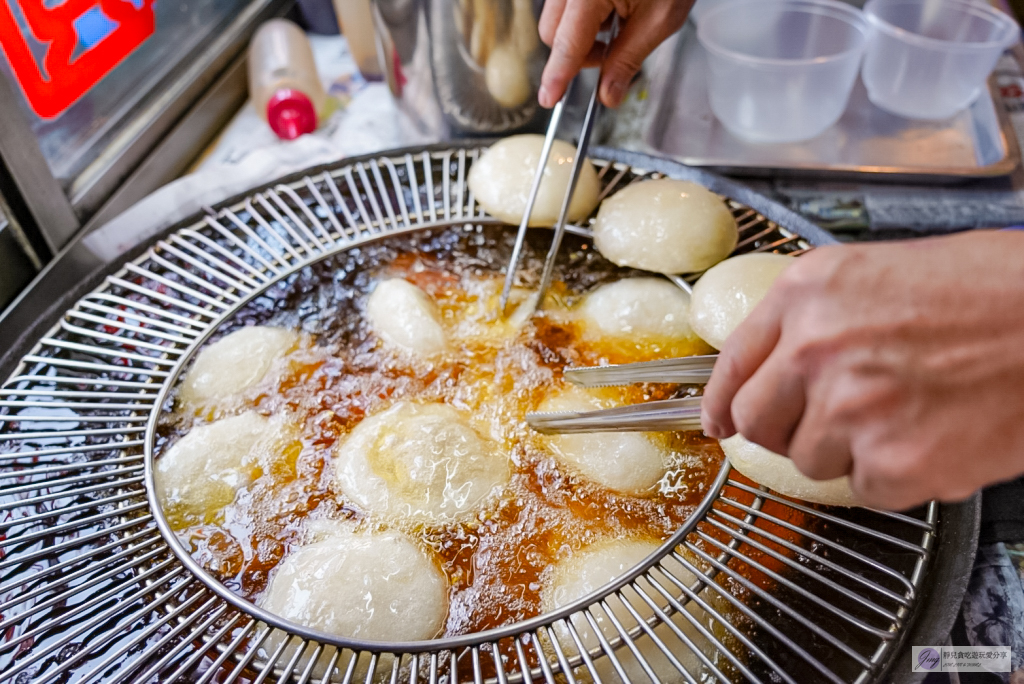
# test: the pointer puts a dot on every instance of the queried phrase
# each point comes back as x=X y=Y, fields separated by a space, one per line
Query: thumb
x=577 y=28
x=741 y=356
x=644 y=30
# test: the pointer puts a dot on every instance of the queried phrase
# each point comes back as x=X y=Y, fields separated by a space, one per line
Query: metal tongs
x=669 y=415
x=593 y=108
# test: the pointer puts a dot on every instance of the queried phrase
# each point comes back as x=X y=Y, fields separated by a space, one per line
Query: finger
x=821 y=445
x=877 y=489
x=646 y=29
x=819 y=451
x=574 y=38
x=595 y=57
x=741 y=355
x=875 y=484
x=892 y=471
x=550 y=18
x=880 y=492
x=768 y=407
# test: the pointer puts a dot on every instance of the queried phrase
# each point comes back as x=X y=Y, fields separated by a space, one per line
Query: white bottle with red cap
x=283 y=83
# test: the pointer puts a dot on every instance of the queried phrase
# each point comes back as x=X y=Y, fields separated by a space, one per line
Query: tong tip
x=541 y=422
x=503 y=304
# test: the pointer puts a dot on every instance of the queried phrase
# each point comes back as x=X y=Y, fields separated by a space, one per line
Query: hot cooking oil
x=497 y=371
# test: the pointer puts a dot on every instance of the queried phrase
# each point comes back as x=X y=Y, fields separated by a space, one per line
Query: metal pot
x=463 y=67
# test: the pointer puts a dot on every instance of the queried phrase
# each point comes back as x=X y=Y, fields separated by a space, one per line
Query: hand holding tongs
x=593 y=109
x=669 y=415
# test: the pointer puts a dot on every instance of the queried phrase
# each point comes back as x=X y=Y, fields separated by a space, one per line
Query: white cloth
x=248 y=154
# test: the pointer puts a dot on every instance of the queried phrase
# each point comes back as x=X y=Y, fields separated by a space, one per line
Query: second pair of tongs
x=593 y=108
x=669 y=415
x=687 y=370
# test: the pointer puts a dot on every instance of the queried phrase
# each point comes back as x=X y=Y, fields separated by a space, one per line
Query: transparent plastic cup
x=781 y=70
x=929 y=59
x=702 y=7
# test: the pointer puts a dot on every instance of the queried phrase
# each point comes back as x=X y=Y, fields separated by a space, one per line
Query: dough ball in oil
x=233 y=364
x=624 y=462
x=594 y=566
x=480 y=322
x=373 y=586
x=507 y=75
x=419 y=463
x=726 y=294
x=638 y=309
x=201 y=472
x=501 y=180
x=666 y=226
x=404 y=316
x=779 y=473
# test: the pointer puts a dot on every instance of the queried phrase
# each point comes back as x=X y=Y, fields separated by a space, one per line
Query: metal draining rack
x=91 y=590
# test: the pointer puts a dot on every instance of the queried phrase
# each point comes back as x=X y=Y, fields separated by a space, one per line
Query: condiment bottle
x=283 y=82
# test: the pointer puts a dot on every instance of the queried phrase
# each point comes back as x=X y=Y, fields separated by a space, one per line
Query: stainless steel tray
x=867 y=143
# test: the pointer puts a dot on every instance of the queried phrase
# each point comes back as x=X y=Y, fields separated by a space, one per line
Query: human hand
x=570 y=28
x=900 y=364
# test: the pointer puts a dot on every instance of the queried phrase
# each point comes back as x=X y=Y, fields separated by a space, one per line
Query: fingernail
x=544 y=98
x=617 y=91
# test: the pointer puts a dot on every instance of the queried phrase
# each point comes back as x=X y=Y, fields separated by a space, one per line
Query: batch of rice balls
x=428 y=508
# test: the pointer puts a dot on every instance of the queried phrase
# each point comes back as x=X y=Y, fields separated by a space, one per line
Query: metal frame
x=665 y=89
x=48 y=206
x=73 y=463
x=57 y=214
x=178 y=92
x=19 y=264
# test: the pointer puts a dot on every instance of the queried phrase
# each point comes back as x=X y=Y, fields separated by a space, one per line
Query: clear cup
x=929 y=59
x=702 y=7
x=781 y=70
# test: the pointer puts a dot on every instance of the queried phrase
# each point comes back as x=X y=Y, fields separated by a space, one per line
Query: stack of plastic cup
x=929 y=59
x=781 y=70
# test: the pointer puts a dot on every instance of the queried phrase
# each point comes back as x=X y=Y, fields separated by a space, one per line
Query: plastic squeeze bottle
x=283 y=83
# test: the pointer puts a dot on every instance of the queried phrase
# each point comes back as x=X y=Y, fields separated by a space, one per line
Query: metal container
x=463 y=67
x=865 y=144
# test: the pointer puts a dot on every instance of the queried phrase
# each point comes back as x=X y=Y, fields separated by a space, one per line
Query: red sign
x=71 y=64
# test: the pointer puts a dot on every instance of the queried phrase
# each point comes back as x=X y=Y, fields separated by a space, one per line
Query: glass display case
x=75 y=124
x=102 y=101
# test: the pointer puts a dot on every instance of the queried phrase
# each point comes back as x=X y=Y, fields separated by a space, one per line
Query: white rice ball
x=624 y=462
x=594 y=566
x=404 y=316
x=203 y=470
x=781 y=474
x=639 y=309
x=726 y=294
x=371 y=586
x=503 y=175
x=419 y=463
x=507 y=76
x=233 y=364
x=666 y=226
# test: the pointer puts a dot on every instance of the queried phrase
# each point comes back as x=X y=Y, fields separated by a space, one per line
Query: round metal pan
x=947 y=549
